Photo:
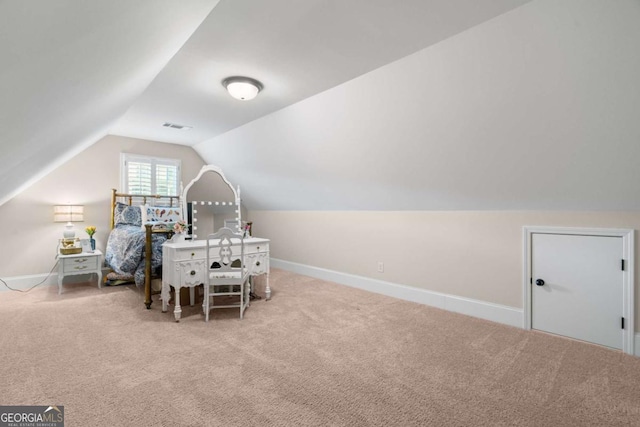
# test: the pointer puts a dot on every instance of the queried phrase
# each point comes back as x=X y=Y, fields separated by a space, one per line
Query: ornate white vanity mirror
x=209 y=202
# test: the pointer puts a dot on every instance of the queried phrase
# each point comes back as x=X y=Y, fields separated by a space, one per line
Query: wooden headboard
x=171 y=201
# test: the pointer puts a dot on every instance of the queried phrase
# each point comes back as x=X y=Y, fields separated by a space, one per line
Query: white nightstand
x=83 y=263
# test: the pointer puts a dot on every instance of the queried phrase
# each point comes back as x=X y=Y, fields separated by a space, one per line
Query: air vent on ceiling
x=175 y=126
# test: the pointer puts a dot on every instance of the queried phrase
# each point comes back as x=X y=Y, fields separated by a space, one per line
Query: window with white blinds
x=149 y=175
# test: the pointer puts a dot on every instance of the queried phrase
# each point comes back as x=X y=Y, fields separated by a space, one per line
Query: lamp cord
x=37 y=284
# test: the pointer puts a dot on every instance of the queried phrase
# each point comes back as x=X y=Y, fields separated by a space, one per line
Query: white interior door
x=577 y=287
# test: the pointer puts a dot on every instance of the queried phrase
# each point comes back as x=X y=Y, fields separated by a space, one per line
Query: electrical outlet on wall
x=380 y=267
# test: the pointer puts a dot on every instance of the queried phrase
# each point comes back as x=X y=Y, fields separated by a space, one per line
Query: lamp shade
x=242 y=88
x=68 y=213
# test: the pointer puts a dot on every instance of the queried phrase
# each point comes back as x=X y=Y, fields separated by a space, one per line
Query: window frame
x=154 y=161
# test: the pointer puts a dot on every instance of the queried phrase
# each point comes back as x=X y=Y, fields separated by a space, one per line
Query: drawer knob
x=258 y=263
x=258 y=247
x=193 y=272
x=193 y=254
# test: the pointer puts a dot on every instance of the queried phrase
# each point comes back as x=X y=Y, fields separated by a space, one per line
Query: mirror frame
x=218 y=170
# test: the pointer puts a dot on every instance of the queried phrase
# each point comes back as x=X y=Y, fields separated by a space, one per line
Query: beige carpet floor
x=317 y=354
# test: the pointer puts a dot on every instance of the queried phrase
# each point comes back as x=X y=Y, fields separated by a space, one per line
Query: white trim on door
x=628 y=299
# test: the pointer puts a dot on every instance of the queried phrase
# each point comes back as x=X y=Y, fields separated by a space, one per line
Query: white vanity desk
x=183 y=265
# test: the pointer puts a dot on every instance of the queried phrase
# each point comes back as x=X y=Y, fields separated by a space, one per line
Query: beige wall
x=473 y=254
x=30 y=237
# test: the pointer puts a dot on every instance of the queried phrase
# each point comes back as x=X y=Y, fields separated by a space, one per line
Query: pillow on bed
x=160 y=214
x=146 y=212
x=125 y=214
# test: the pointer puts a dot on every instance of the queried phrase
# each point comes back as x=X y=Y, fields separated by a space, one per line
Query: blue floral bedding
x=126 y=252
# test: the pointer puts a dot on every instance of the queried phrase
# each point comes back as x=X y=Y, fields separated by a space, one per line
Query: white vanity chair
x=227 y=274
x=184 y=263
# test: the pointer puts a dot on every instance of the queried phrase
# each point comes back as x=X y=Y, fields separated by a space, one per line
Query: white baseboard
x=25 y=282
x=481 y=309
x=636 y=347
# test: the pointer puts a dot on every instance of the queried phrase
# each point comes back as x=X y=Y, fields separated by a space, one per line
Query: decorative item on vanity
x=180 y=230
x=246 y=229
x=91 y=230
x=68 y=214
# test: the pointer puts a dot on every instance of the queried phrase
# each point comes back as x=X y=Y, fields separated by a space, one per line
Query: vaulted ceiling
x=73 y=71
x=296 y=49
x=70 y=70
x=367 y=104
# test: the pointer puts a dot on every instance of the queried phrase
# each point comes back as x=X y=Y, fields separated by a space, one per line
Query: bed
x=140 y=224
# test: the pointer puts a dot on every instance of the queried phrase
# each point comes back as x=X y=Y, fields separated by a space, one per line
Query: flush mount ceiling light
x=242 y=88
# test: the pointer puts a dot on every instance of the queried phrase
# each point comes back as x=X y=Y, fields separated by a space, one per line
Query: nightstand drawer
x=80 y=264
x=85 y=263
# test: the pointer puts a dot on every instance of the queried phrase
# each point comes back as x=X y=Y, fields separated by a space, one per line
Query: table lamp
x=68 y=214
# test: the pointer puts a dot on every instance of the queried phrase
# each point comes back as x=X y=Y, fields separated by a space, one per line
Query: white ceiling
x=536 y=109
x=295 y=48
x=70 y=69
x=511 y=106
x=73 y=71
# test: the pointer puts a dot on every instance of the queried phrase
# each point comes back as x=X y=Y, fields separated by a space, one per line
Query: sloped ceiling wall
x=296 y=49
x=536 y=109
x=61 y=92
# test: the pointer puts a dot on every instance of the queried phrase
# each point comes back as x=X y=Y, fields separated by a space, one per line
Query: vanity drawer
x=257 y=263
x=191 y=253
x=254 y=248
x=79 y=264
x=191 y=273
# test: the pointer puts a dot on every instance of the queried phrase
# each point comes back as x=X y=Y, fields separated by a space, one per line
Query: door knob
x=540 y=282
